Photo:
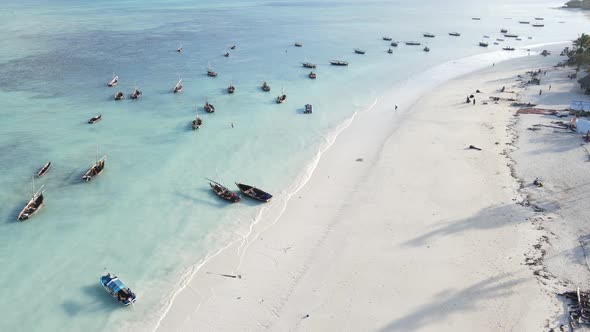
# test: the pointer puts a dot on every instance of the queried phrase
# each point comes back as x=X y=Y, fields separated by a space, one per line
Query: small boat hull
x=95 y=119
x=224 y=193
x=43 y=170
x=254 y=193
x=308 y=109
x=33 y=206
x=117 y=289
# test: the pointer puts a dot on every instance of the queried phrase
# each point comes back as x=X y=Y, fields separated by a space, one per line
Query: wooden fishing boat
x=135 y=94
x=43 y=170
x=265 y=87
x=308 y=109
x=454 y=34
x=209 y=108
x=539 y=18
x=233 y=47
x=197 y=122
x=413 y=43
x=231 y=89
x=390 y=51
x=34 y=204
x=387 y=38
x=476 y=18
x=308 y=65
x=524 y=22
x=518 y=39
x=338 y=63
x=312 y=75
x=428 y=35
x=486 y=36
x=95 y=170
x=95 y=119
x=510 y=35
x=359 y=51
x=178 y=87
x=282 y=98
x=538 y=25
x=298 y=44
x=226 y=54
x=508 y=48
x=499 y=39
x=504 y=30
x=483 y=44
x=211 y=73
x=426 y=49
x=255 y=193
x=394 y=44
x=179 y=50
x=113 y=81
x=222 y=192
x=119 y=95
x=117 y=289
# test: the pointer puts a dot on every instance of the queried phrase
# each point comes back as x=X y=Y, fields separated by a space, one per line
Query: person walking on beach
x=540 y=92
x=549 y=87
x=473 y=101
x=396 y=107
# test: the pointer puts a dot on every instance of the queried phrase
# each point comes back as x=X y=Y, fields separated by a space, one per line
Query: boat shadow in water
x=11 y=214
x=214 y=202
x=98 y=301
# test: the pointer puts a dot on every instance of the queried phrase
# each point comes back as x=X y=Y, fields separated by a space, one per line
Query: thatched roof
x=585 y=82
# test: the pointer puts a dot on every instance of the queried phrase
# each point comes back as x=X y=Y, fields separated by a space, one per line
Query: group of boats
x=250 y=191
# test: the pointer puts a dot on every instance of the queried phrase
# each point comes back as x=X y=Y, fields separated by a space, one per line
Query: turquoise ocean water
x=150 y=216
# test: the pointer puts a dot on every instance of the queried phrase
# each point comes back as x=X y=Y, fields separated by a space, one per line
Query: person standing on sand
x=396 y=107
x=549 y=87
x=540 y=92
x=473 y=101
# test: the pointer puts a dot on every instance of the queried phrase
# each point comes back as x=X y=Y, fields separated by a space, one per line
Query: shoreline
x=241 y=250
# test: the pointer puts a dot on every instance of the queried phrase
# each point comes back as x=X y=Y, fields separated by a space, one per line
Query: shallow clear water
x=150 y=215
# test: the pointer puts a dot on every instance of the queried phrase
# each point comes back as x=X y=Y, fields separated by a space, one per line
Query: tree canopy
x=584 y=4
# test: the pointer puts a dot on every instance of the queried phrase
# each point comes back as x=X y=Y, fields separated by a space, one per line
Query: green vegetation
x=583 y=4
x=579 y=54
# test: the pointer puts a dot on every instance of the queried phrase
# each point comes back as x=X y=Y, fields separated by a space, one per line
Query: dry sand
x=400 y=228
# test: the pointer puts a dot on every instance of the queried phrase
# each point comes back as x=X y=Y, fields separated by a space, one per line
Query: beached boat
x=394 y=44
x=113 y=81
x=390 y=51
x=524 y=22
x=298 y=44
x=359 y=51
x=255 y=193
x=265 y=87
x=428 y=35
x=387 y=38
x=118 y=290
x=95 y=170
x=312 y=75
x=135 y=94
x=231 y=89
x=34 y=204
x=222 y=192
x=539 y=18
x=226 y=54
x=538 y=25
x=282 y=97
x=504 y=30
x=338 y=63
x=178 y=87
x=508 y=48
x=486 y=36
x=95 y=119
x=119 y=95
x=454 y=34
x=499 y=39
x=483 y=44
x=545 y=53
x=308 y=109
x=308 y=65
x=197 y=122
x=413 y=43
x=209 y=108
x=518 y=39
x=426 y=49
x=43 y=170
x=476 y=18
x=496 y=43
x=509 y=35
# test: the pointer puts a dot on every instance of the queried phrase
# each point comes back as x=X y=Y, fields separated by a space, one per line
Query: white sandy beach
x=400 y=228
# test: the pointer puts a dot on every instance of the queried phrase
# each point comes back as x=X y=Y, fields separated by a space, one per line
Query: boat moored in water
x=524 y=22
x=504 y=30
x=113 y=81
x=308 y=109
x=387 y=38
x=265 y=87
x=428 y=35
x=509 y=35
x=508 y=48
x=426 y=49
x=119 y=95
x=95 y=119
x=338 y=63
x=538 y=25
x=308 y=65
x=394 y=44
x=118 y=290
x=135 y=94
x=282 y=98
x=255 y=193
x=454 y=34
x=197 y=122
x=222 y=192
x=298 y=44
x=209 y=108
x=390 y=51
x=43 y=170
x=34 y=204
x=483 y=44
x=231 y=89
x=178 y=87
x=95 y=170
x=476 y=18
x=359 y=51
x=413 y=43
x=312 y=75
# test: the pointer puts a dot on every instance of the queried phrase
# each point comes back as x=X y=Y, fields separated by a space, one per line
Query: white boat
x=34 y=204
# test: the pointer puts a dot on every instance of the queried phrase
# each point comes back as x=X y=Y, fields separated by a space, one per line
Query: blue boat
x=117 y=289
